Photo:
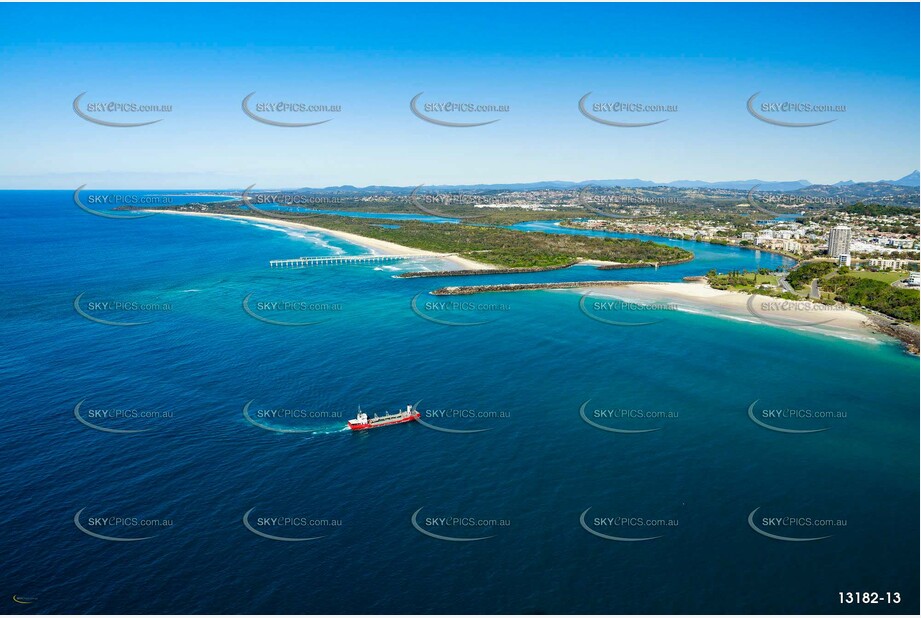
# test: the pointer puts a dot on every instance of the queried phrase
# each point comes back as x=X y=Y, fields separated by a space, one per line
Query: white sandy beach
x=755 y=308
x=599 y=263
x=373 y=244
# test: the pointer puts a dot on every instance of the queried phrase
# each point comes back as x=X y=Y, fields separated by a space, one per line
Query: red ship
x=361 y=421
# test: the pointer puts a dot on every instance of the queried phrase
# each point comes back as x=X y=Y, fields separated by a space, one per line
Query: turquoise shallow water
x=523 y=376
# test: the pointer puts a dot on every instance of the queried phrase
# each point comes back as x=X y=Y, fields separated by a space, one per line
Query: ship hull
x=364 y=426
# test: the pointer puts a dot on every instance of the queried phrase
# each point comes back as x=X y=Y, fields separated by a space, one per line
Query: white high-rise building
x=839 y=241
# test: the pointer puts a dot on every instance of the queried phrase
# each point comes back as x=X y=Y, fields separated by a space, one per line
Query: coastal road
x=814 y=289
x=782 y=280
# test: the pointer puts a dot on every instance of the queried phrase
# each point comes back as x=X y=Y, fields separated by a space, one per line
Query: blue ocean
x=196 y=461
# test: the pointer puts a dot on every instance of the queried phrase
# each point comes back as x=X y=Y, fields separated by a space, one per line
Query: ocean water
x=513 y=370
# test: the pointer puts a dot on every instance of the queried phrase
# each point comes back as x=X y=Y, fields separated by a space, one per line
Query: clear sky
x=371 y=59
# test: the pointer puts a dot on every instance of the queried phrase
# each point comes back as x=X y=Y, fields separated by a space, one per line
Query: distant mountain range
x=910 y=180
x=903 y=187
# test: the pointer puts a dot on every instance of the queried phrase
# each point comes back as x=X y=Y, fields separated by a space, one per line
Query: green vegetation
x=898 y=303
x=884 y=276
x=858 y=288
x=876 y=210
x=802 y=275
x=748 y=282
x=478 y=240
x=504 y=247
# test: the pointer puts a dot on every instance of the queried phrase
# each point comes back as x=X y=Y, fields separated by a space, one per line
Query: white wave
x=314 y=238
x=804 y=328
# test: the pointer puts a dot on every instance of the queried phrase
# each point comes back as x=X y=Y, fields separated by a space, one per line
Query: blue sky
x=707 y=59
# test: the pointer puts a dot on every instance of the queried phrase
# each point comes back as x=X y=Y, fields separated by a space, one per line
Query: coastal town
x=870 y=243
